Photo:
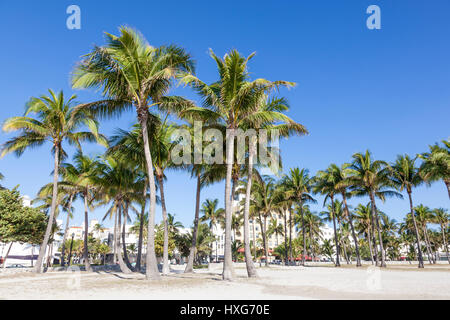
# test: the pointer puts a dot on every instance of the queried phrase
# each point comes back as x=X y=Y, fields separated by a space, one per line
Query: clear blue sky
x=386 y=90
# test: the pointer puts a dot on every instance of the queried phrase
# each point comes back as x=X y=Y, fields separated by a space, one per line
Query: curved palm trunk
x=38 y=266
x=190 y=264
x=377 y=225
x=122 y=265
x=355 y=239
x=251 y=270
x=124 y=244
x=428 y=243
x=141 y=233
x=304 y=233
x=151 y=270
x=66 y=231
x=416 y=231
x=166 y=268
x=228 y=272
x=87 y=265
x=336 y=242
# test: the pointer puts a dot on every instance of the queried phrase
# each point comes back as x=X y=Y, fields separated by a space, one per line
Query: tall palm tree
x=234 y=101
x=406 y=176
x=442 y=218
x=131 y=73
x=298 y=187
x=313 y=225
x=128 y=146
x=56 y=121
x=372 y=177
x=341 y=178
x=436 y=164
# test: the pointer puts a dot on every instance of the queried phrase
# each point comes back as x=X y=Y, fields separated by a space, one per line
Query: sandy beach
x=276 y=282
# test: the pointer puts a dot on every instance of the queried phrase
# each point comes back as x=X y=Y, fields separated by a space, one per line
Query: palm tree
x=298 y=187
x=329 y=216
x=436 y=164
x=424 y=215
x=265 y=195
x=363 y=215
x=212 y=214
x=406 y=175
x=234 y=102
x=442 y=218
x=130 y=73
x=342 y=184
x=325 y=183
x=313 y=225
x=276 y=229
x=84 y=172
x=120 y=183
x=57 y=121
x=372 y=177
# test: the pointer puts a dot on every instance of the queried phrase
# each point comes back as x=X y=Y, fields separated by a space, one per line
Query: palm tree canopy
x=56 y=120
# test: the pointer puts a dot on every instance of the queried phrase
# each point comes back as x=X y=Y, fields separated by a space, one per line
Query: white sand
x=275 y=282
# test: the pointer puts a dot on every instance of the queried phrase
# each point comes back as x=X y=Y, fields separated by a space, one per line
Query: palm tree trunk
x=6 y=256
x=66 y=231
x=87 y=265
x=122 y=265
x=370 y=244
x=251 y=270
x=445 y=242
x=377 y=225
x=427 y=241
x=254 y=237
x=355 y=239
x=290 y=237
x=166 y=268
x=336 y=242
x=38 y=266
x=304 y=233
x=124 y=244
x=416 y=231
x=266 y=248
x=285 y=239
x=190 y=264
x=228 y=272
x=141 y=232
x=151 y=270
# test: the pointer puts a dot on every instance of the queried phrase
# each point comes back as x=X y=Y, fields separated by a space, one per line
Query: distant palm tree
x=329 y=216
x=276 y=229
x=131 y=73
x=57 y=121
x=424 y=215
x=363 y=215
x=84 y=171
x=372 y=177
x=213 y=214
x=406 y=175
x=442 y=218
x=298 y=187
x=436 y=164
